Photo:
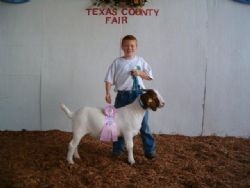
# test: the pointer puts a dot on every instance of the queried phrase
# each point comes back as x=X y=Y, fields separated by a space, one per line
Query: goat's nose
x=162 y=104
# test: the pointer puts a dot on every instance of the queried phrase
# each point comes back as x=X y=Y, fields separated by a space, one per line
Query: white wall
x=228 y=73
x=52 y=52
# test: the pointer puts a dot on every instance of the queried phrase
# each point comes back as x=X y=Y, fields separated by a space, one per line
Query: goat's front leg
x=129 y=146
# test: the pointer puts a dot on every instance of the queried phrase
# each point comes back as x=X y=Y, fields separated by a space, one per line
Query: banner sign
x=120 y=15
x=15 y=1
x=243 y=1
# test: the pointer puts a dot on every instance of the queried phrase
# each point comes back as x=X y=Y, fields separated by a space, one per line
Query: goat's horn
x=147 y=90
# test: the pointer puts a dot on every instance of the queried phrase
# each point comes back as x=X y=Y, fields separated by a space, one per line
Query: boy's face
x=129 y=48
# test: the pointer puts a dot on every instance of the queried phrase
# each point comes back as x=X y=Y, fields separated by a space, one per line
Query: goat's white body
x=128 y=120
x=90 y=121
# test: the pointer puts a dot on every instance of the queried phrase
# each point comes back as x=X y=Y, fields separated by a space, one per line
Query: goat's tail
x=67 y=111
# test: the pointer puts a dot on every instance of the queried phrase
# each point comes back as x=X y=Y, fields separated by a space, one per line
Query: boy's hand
x=142 y=74
x=108 y=98
x=136 y=72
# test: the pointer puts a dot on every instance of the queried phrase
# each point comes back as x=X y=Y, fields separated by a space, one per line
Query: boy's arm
x=108 y=95
x=144 y=75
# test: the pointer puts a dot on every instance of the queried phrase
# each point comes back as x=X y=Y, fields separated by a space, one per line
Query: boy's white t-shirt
x=119 y=72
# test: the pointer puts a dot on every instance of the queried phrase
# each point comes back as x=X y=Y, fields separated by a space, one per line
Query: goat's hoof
x=131 y=162
x=71 y=162
x=77 y=156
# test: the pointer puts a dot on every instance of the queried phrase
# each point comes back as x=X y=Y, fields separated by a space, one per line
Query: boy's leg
x=147 y=138
x=123 y=100
x=119 y=146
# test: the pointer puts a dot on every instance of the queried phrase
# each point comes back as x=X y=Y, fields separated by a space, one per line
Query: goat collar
x=141 y=103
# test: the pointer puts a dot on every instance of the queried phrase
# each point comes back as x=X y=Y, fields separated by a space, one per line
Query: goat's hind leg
x=76 y=154
x=72 y=150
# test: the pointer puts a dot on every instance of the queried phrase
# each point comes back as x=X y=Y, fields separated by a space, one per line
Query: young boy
x=126 y=74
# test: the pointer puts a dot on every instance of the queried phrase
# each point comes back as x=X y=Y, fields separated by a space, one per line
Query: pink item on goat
x=109 y=131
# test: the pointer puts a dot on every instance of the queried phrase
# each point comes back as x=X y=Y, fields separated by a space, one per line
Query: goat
x=89 y=120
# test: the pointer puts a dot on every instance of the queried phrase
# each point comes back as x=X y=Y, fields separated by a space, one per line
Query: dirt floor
x=37 y=159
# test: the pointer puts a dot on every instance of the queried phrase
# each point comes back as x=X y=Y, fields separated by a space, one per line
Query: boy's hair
x=129 y=37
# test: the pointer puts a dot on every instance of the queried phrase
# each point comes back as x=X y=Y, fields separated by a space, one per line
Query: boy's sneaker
x=150 y=155
x=116 y=154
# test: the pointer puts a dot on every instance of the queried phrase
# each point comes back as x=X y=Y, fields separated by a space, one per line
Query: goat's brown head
x=151 y=99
